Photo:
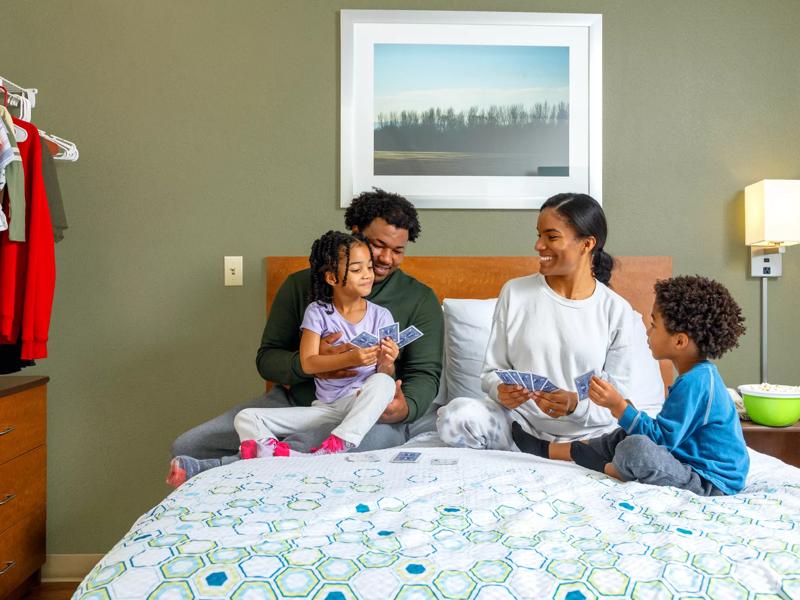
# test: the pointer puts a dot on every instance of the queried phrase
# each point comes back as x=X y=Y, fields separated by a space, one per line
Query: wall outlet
x=233 y=271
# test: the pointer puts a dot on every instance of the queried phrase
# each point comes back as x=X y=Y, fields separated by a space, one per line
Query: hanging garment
x=15 y=181
x=27 y=269
x=58 y=217
x=10 y=361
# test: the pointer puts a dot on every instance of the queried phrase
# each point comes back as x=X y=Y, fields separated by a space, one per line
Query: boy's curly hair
x=392 y=208
x=704 y=310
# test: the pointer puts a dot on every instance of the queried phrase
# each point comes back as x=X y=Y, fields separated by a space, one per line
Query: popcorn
x=793 y=390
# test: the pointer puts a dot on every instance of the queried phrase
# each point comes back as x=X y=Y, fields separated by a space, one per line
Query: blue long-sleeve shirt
x=699 y=425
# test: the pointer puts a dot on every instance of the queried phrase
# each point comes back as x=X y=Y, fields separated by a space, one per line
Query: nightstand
x=781 y=442
x=23 y=482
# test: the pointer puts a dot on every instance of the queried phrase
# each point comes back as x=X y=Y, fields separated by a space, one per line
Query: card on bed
x=582 y=385
x=364 y=340
x=390 y=331
x=408 y=335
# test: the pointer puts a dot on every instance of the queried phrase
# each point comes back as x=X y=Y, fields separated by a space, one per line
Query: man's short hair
x=392 y=208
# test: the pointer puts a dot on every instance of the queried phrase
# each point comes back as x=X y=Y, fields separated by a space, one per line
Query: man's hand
x=397 y=410
x=556 y=404
x=604 y=394
x=326 y=348
x=512 y=396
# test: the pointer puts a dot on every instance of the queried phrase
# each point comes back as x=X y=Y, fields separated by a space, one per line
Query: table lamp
x=772 y=222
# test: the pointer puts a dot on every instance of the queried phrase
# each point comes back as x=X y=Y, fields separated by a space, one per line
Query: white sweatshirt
x=536 y=330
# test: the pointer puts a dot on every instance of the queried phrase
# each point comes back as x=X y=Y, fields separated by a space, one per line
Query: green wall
x=209 y=128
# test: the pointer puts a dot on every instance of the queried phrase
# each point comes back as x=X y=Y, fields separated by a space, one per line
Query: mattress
x=495 y=525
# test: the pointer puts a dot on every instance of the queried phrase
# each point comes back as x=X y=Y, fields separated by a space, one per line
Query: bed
x=495 y=525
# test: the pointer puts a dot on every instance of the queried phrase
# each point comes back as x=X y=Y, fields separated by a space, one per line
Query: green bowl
x=776 y=409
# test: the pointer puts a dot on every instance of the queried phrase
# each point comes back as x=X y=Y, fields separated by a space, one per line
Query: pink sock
x=332 y=445
x=248 y=449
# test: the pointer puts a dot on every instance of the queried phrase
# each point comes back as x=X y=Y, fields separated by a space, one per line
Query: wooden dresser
x=23 y=482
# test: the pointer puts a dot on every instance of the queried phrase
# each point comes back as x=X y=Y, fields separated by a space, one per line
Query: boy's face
x=658 y=338
x=359 y=274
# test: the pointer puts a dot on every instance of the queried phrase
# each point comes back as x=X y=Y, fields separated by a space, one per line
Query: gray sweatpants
x=638 y=458
x=350 y=417
x=217 y=437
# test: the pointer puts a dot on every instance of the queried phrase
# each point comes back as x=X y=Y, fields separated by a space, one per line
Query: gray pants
x=638 y=458
x=217 y=437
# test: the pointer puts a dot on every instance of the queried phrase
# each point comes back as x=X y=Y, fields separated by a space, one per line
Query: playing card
x=538 y=382
x=444 y=461
x=549 y=386
x=406 y=457
x=506 y=377
x=408 y=335
x=517 y=378
x=391 y=331
x=582 y=385
x=527 y=380
x=364 y=340
x=362 y=457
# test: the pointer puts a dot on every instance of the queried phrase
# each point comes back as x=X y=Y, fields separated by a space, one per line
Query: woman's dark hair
x=587 y=218
x=704 y=310
x=392 y=208
x=326 y=254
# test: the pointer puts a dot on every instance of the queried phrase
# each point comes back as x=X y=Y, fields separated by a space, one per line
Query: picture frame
x=471 y=110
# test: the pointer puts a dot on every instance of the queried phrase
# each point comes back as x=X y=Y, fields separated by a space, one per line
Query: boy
x=695 y=443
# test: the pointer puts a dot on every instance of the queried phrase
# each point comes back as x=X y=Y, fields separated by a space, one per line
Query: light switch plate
x=233 y=271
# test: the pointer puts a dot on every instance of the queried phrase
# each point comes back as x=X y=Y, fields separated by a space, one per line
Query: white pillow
x=467 y=325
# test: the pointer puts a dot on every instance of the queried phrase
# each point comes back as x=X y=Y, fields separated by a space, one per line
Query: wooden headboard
x=483 y=276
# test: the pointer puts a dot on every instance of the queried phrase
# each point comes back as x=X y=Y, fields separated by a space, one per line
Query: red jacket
x=28 y=269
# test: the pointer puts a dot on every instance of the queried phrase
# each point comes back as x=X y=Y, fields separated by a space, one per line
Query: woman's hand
x=604 y=394
x=387 y=354
x=512 y=396
x=556 y=404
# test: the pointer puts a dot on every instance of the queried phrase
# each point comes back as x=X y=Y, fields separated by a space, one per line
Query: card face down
x=364 y=340
x=582 y=385
x=408 y=335
x=390 y=331
x=406 y=457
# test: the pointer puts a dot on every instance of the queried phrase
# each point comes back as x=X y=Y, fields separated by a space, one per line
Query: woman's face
x=561 y=251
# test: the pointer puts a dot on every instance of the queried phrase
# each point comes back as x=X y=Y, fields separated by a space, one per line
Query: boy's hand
x=364 y=357
x=388 y=351
x=604 y=394
x=512 y=396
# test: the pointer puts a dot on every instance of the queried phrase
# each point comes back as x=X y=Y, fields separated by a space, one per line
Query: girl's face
x=359 y=273
x=561 y=251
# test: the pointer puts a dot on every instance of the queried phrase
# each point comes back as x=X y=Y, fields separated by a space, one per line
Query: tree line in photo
x=505 y=129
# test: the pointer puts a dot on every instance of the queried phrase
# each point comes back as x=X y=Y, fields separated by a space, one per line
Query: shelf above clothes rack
x=24 y=100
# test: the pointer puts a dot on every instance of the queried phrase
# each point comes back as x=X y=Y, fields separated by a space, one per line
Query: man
x=389 y=222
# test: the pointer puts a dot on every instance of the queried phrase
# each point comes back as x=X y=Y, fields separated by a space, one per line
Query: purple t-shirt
x=319 y=321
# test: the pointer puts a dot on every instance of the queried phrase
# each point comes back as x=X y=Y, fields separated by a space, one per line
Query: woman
x=559 y=323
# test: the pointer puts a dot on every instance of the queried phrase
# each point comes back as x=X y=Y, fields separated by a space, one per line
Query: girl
x=341 y=277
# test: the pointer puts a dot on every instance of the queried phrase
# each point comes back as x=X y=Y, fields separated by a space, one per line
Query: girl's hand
x=387 y=355
x=604 y=394
x=556 y=404
x=364 y=357
x=512 y=396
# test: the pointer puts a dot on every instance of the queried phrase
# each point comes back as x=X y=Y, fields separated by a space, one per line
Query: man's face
x=388 y=246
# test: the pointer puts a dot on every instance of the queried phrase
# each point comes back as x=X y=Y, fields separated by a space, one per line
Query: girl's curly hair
x=326 y=254
x=704 y=310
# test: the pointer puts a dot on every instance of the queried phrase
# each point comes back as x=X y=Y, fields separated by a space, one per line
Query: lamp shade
x=772 y=213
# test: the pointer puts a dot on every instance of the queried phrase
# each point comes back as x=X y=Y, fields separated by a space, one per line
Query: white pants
x=352 y=416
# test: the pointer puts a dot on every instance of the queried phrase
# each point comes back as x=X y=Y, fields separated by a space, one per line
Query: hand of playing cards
x=401 y=338
x=537 y=383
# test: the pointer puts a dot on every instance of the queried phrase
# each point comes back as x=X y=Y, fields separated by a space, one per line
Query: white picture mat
x=361 y=30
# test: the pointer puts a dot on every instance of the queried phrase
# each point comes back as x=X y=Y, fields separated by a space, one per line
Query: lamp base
x=766 y=261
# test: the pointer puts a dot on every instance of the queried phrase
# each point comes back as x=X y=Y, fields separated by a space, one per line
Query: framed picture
x=471 y=109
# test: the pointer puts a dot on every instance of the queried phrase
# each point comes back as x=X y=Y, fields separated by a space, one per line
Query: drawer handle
x=6 y=431
x=7 y=499
x=9 y=565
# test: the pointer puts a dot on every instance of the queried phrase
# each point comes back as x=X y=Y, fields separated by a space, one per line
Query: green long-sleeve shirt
x=410 y=302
